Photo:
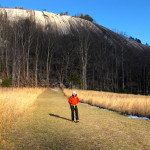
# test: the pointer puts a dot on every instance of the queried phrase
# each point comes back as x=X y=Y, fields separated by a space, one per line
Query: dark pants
x=74 y=109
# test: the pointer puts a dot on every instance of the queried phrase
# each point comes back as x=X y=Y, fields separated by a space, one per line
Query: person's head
x=74 y=93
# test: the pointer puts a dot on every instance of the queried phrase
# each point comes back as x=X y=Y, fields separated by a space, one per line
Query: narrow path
x=47 y=126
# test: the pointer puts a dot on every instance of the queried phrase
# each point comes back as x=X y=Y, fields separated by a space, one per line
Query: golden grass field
x=47 y=125
x=14 y=102
x=125 y=103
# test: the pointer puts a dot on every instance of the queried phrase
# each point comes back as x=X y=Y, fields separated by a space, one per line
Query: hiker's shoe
x=77 y=121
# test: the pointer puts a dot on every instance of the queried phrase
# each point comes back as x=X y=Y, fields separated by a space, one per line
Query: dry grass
x=14 y=102
x=125 y=103
x=38 y=129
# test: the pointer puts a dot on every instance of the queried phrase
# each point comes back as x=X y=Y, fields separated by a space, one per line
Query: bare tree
x=84 y=46
x=30 y=39
x=36 y=62
x=50 y=50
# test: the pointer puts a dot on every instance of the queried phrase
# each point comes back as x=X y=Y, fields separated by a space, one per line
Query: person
x=73 y=101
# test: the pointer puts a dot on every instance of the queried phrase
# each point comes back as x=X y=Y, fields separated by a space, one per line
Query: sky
x=128 y=16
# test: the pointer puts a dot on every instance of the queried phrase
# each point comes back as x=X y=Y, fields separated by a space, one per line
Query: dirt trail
x=47 y=126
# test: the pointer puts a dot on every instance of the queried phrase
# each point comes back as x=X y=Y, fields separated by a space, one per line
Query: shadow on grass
x=57 y=116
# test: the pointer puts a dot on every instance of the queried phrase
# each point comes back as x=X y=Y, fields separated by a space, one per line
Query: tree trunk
x=36 y=63
x=122 y=66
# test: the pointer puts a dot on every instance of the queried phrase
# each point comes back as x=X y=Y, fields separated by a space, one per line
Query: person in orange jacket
x=73 y=101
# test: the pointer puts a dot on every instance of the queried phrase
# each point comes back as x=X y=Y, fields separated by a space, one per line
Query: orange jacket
x=73 y=100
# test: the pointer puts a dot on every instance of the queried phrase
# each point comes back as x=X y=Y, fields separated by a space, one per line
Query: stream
x=129 y=116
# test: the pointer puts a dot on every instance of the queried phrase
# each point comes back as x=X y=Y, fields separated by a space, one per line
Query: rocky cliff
x=65 y=25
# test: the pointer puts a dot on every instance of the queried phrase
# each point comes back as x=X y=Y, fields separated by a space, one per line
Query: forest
x=35 y=56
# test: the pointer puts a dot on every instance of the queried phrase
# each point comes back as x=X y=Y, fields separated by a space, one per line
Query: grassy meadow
x=125 y=103
x=47 y=125
x=14 y=102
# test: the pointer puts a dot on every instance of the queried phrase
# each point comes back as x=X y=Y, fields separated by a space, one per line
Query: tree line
x=33 y=56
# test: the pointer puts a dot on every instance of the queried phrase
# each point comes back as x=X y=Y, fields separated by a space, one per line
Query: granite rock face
x=65 y=25
x=60 y=24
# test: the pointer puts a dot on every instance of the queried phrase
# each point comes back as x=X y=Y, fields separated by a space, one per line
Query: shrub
x=75 y=79
x=125 y=91
x=6 y=82
x=86 y=17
